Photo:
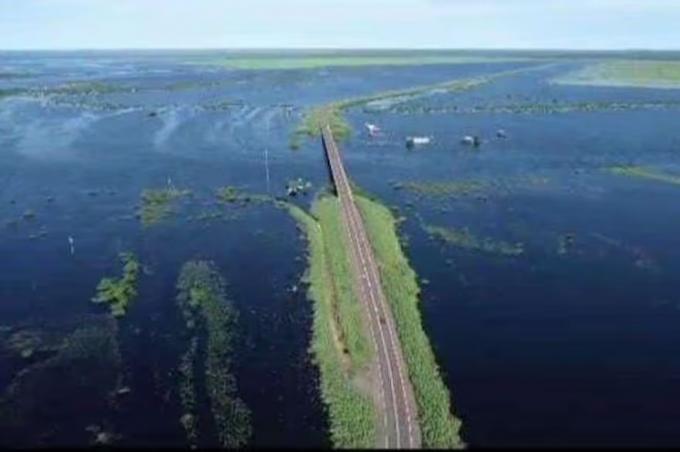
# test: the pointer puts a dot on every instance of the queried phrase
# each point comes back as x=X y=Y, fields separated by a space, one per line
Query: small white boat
x=417 y=141
x=373 y=130
x=471 y=140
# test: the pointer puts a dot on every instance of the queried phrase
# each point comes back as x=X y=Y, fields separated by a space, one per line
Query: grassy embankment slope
x=351 y=412
x=439 y=427
x=339 y=345
x=631 y=73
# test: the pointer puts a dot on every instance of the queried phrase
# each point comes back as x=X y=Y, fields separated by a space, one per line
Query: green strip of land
x=313 y=61
x=440 y=429
x=339 y=343
x=338 y=326
x=632 y=73
x=645 y=173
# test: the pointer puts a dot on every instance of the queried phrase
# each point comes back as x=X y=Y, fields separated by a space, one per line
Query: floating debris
x=500 y=133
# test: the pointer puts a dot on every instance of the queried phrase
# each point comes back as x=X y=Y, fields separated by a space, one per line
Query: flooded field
x=548 y=254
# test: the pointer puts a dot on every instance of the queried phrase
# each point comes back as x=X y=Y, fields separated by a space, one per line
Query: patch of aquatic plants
x=234 y=195
x=11 y=92
x=339 y=343
x=205 y=308
x=480 y=189
x=93 y=104
x=439 y=427
x=443 y=189
x=27 y=342
x=119 y=292
x=65 y=391
x=646 y=173
x=13 y=75
x=534 y=109
x=463 y=238
x=84 y=88
x=157 y=204
x=223 y=105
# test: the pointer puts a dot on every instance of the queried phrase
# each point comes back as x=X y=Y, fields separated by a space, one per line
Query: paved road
x=398 y=415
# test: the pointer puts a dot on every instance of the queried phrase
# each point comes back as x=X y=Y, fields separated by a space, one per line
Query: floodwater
x=552 y=347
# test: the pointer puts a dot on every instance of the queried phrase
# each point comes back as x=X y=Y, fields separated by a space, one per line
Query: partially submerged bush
x=157 y=204
x=119 y=292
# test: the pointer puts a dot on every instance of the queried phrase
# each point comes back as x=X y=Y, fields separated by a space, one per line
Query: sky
x=526 y=24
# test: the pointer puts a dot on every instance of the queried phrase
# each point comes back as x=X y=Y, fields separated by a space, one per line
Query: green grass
x=202 y=298
x=646 y=173
x=463 y=238
x=350 y=312
x=119 y=292
x=440 y=429
x=328 y=59
x=635 y=73
x=351 y=412
x=157 y=204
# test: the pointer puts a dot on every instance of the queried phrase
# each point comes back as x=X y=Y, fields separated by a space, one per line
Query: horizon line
x=330 y=48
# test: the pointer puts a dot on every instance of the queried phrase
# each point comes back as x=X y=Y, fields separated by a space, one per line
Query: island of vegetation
x=211 y=320
x=119 y=292
x=340 y=344
x=463 y=238
x=157 y=204
x=632 y=73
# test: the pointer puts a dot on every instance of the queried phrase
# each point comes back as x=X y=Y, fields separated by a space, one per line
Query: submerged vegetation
x=65 y=391
x=536 y=108
x=157 y=204
x=443 y=189
x=440 y=429
x=118 y=293
x=202 y=299
x=339 y=343
x=463 y=238
x=634 y=73
x=646 y=173
x=233 y=195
